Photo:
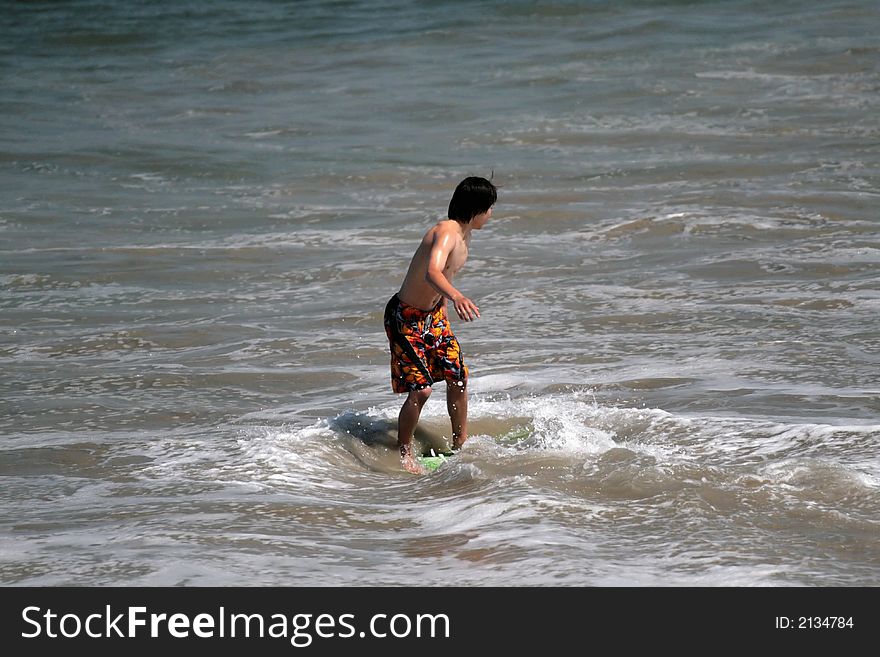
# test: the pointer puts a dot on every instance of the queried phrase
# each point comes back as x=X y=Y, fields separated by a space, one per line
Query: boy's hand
x=466 y=308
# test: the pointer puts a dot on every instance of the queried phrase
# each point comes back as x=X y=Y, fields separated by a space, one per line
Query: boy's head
x=473 y=196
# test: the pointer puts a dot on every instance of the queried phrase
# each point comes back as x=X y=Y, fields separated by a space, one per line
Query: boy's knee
x=420 y=396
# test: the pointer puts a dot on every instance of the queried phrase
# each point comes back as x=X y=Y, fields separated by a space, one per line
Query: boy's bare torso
x=447 y=239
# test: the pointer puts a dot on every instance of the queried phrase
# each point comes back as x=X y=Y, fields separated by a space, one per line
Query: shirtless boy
x=423 y=348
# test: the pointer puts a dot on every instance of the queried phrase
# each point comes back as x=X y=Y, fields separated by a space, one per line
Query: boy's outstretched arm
x=441 y=248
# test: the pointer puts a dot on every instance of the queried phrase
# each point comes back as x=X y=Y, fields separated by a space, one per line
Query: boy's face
x=480 y=220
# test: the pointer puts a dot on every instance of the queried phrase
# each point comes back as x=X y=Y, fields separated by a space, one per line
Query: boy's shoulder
x=444 y=227
x=444 y=233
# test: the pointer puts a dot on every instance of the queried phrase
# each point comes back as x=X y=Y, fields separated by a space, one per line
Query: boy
x=423 y=347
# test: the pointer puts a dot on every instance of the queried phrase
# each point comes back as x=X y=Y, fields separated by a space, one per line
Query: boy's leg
x=456 y=404
x=407 y=421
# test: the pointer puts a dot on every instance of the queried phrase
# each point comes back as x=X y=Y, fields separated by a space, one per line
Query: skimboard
x=434 y=460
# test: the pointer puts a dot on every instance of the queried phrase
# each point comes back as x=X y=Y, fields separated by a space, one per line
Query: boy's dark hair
x=473 y=196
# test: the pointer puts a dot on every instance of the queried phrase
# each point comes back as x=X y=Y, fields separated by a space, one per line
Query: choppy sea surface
x=205 y=207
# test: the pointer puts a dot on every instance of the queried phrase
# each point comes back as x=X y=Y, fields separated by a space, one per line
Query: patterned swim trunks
x=423 y=347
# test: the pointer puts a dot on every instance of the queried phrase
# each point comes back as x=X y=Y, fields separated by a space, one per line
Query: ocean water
x=205 y=207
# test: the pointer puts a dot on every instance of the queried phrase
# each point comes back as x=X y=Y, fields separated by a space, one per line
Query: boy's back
x=444 y=239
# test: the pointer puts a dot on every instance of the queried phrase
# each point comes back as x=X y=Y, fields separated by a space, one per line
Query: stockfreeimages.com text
x=300 y=629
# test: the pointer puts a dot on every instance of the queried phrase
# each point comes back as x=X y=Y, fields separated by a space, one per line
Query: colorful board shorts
x=423 y=347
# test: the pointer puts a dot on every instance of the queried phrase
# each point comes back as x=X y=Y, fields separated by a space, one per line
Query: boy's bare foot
x=411 y=465
x=409 y=462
